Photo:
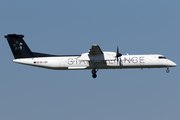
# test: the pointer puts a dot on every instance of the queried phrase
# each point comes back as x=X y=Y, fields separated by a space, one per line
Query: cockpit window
x=162 y=57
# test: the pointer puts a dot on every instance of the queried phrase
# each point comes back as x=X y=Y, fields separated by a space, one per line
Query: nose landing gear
x=167 y=70
x=94 y=75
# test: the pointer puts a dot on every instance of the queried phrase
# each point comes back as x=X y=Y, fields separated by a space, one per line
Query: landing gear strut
x=167 y=70
x=94 y=71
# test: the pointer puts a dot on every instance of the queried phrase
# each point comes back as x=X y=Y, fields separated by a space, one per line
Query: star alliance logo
x=18 y=45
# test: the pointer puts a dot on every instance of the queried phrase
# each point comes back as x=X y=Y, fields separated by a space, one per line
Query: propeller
x=118 y=54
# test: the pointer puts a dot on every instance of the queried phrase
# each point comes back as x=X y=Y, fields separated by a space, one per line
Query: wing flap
x=96 y=54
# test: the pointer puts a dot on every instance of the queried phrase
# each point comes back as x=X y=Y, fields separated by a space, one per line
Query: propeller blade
x=117 y=49
x=118 y=54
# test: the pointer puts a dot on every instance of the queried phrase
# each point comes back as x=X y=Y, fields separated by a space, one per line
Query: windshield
x=162 y=57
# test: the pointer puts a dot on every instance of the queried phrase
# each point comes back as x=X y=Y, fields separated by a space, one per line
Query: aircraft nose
x=173 y=64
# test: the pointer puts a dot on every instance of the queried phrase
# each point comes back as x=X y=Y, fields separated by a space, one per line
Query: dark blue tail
x=18 y=47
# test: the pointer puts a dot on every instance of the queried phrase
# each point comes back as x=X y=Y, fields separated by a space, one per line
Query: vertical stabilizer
x=18 y=47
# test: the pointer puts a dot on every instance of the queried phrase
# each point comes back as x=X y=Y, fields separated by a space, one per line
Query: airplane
x=95 y=59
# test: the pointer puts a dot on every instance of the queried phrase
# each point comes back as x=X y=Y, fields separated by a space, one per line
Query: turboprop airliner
x=95 y=59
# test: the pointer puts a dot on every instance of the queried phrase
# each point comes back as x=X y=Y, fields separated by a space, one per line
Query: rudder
x=18 y=47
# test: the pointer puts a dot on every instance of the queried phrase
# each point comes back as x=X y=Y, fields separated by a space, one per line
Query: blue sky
x=71 y=27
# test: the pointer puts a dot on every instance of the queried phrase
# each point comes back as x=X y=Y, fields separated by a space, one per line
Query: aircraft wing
x=95 y=50
x=95 y=54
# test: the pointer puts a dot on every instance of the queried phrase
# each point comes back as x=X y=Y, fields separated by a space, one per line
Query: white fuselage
x=95 y=58
x=101 y=62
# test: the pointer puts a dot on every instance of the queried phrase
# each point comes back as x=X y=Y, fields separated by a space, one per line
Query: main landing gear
x=94 y=70
x=167 y=70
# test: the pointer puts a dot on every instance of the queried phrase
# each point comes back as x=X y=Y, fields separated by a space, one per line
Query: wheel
x=94 y=75
x=167 y=70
